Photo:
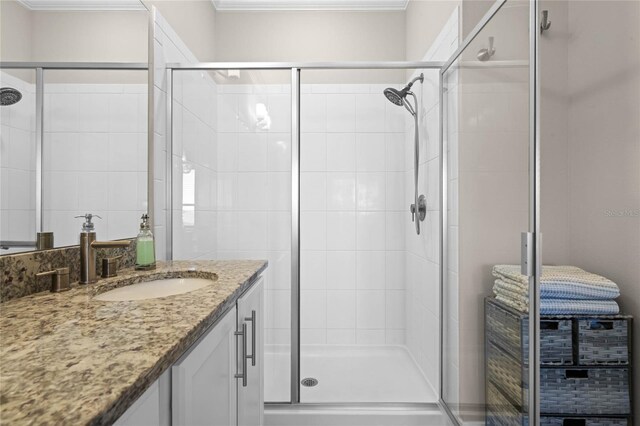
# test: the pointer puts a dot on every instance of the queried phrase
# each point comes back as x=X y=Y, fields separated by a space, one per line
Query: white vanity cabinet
x=219 y=381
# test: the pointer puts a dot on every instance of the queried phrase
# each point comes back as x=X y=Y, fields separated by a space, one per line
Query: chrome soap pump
x=145 y=247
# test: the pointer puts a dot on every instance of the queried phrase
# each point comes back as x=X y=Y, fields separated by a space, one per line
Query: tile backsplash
x=18 y=271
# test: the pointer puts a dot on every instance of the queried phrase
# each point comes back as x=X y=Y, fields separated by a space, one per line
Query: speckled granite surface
x=18 y=271
x=68 y=359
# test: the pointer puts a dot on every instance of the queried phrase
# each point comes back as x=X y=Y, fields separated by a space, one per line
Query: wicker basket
x=510 y=330
x=589 y=391
x=603 y=342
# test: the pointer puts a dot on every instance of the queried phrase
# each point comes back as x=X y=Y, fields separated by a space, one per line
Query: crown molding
x=82 y=4
x=277 y=5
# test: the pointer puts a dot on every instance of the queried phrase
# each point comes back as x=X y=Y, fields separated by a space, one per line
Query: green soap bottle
x=145 y=247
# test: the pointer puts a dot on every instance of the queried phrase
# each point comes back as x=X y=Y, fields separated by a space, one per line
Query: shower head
x=395 y=96
x=399 y=97
x=9 y=96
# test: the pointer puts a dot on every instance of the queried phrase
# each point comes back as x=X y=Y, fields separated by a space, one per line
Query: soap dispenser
x=145 y=247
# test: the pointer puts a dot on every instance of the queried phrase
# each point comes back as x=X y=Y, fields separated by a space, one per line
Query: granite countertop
x=68 y=359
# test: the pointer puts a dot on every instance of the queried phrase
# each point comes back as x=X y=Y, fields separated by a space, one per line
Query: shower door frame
x=531 y=257
x=296 y=68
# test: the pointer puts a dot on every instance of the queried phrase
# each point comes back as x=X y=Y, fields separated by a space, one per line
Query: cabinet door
x=203 y=383
x=251 y=396
x=152 y=408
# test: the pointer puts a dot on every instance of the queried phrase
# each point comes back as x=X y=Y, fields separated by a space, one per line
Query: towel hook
x=546 y=23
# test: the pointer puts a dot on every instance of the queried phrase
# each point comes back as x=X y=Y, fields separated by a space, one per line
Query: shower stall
x=382 y=194
x=327 y=199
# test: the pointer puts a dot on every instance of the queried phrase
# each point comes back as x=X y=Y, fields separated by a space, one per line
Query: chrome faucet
x=88 y=246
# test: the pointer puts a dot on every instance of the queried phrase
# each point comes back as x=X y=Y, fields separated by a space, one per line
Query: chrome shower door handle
x=243 y=374
x=252 y=318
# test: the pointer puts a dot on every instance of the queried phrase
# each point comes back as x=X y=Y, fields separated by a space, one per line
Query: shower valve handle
x=413 y=212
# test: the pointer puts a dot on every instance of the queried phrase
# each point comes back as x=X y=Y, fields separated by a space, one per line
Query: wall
x=94 y=158
x=424 y=21
x=314 y=36
x=193 y=21
x=15 y=38
x=604 y=146
x=590 y=148
x=88 y=36
x=17 y=164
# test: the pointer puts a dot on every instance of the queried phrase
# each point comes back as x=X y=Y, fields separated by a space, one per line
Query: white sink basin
x=153 y=289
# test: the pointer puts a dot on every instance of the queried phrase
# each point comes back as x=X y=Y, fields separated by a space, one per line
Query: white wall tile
x=370 y=270
x=371 y=191
x=341 y=336
x=370 y=152
x=370 y=113
x=252 y=152
x=341 y=152
x=313 y=152
x=313 y=269
x=370 y=231
x=370 y=309
x=313 y=309
x=313 y=231
x=341 y=270
x=313 y=191
x=341 y=191
x=341 y=309
x=370 y=337
x=341 y=233
x=341 y=113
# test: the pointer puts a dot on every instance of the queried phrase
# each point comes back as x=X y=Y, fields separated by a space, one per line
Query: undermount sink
x=153 y=289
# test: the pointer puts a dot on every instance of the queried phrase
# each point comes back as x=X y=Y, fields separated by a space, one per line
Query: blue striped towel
x=560 y=282
x=564 y=306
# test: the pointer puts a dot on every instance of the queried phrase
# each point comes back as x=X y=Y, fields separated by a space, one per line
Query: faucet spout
x=88 y=247
x=110 y=244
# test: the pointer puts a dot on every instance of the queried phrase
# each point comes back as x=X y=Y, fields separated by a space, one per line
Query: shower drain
x=309 y=382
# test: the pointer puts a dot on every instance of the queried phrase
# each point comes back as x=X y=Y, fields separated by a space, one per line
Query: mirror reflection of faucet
x=88 y=246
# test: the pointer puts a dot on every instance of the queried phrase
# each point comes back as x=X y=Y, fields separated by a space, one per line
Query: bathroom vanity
x=190 y=358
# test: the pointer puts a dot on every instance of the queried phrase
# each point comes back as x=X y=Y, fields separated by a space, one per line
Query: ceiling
x=83 y=4
x=310 y=4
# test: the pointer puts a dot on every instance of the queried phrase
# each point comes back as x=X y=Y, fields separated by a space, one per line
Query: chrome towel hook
x=545 y=24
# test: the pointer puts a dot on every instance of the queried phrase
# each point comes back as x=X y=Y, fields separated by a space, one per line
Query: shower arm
x=419 y=205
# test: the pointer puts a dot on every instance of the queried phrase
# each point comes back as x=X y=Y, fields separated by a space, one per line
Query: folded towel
x=560 y=282
x=564 y=306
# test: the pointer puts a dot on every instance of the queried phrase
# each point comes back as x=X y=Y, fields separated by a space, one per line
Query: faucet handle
x=59 y=279
x=110 y=266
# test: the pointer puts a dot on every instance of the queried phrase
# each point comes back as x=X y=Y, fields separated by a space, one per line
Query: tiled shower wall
x=352 y=215
x=17 y=163
x=422 y=262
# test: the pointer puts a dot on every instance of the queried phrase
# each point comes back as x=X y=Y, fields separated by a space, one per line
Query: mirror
x=92 y=153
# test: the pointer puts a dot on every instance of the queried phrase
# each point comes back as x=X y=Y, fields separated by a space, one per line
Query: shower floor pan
x=348 y=374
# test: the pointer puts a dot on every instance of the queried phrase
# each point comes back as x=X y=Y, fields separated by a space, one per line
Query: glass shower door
x=486 y=144
x=232 y=188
